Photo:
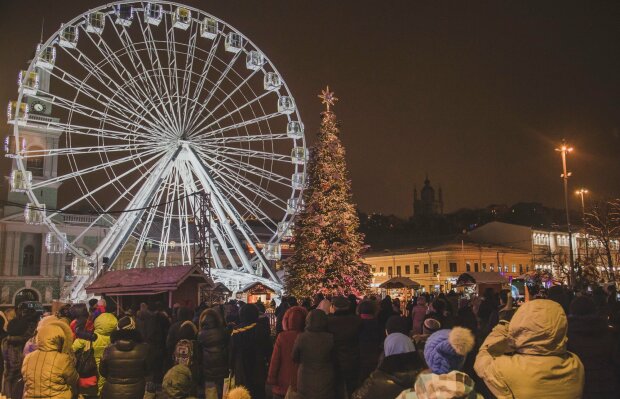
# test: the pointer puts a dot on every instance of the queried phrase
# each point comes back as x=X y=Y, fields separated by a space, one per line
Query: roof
x=449 y=245
x=400 y=282
x=481 y=277
x=144 y=281
x=255 y=284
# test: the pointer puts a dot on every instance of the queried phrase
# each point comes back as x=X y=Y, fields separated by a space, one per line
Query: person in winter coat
x=105 y=324
x=526 y=357
x=183 y=314
x=153 y=327
x=590 y=338
x=48 y=372
x=398 y=370
x=124 y=363
x=445 y=354
x=418 y=314
x=3 y=335
x=178 y=383
x=282 y=370
x=187 y=336
x=346 y=329
x=250 y=351
x=385 y=312
x=13 y=356
x=371 y=339
x=314 y=353
x=213 y=339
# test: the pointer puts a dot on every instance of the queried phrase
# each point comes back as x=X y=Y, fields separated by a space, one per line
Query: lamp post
x=563 y=150
x=581 y=192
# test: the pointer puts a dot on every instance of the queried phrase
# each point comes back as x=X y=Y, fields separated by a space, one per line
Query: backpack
x=184 y=352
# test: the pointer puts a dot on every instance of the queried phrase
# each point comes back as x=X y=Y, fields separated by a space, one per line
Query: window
x=398 y=271
x=390 y=271
x=407 y=269
x=514 y=268
x=416 y=269
x=491 y=267
x=30 y=265
x=381 y=269
x=520 y=268
x=453 y=267
x=475 y=267
x=506 y=268
x=435 y=268
x=468 y=266
x=35 y=163
x=426 y=268
x=484 y=267
x=527 y=268
x=374 y=269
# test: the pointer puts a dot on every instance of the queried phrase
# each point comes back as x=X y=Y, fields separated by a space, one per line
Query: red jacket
x=282 y=370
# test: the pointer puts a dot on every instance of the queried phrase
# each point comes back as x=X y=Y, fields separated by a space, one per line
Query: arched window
x=26 y=295
x=30 y=264
x=34 y=163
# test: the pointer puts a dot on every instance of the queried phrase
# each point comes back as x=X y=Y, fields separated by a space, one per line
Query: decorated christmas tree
x=327 y=243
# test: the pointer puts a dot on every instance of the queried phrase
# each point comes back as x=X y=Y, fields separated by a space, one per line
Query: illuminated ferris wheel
x=150 y=104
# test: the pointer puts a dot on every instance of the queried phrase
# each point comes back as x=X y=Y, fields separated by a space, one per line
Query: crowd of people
x=562 y=345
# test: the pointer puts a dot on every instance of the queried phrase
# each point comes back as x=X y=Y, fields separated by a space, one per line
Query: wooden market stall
x=482 y=280
x=256 y=291
x=169 y=285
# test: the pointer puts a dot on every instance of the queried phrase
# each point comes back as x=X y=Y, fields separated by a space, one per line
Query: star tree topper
x=327 y=97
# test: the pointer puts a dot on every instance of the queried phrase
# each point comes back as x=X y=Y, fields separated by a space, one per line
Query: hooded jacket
x=105 y=324
x=178 y=383
x=313 y=351
x=124 y=366
x=213 y=339
x=395 y=374
x=282 y=370
x=527 y=358
x=48 y=372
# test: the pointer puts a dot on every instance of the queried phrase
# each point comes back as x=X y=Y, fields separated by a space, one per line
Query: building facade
x=33 y=263
x=427 y=203
x=437 y=268
x=549 y=248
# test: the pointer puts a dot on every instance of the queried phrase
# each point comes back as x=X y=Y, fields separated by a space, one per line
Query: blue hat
x=445 y=350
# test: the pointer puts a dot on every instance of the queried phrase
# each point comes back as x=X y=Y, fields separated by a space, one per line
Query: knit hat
x=341 y=303
x=187 y=330
x=582 y=305
x=126 y=323
x=445 y=350
x=397 y=343
x=239 y=393
x=430 y=326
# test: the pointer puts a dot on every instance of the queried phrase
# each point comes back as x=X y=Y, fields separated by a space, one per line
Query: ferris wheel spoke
x=91 y=169
x=245 y=139
x=228 y=96
x=182 y=220
x=98 y=132
x=172 y=65
x=253 y=169
x=234 y=177
x=121 y=70
x=109 y=208
x=217 y=84
x=203 y=78
x=189 y=69
x=126 y=101
x=244 y=152
x=209 y=133
x=53 y=152
x=123 y=36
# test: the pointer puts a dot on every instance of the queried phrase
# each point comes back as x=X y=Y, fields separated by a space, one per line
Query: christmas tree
x=328 y=246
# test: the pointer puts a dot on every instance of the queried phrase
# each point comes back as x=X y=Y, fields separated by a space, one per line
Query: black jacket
x=124 y=365
x=589 y=338
x=395 y=374
x=214 y=344
x=250 y=351
x=371 y=346
x=346 y=329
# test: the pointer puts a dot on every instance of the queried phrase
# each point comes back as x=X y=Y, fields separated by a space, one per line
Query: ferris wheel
x=147 y=105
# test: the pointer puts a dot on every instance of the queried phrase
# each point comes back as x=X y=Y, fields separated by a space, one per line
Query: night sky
x=475 y=93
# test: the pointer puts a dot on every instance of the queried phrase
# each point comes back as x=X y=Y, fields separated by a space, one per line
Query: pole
x=564 y=149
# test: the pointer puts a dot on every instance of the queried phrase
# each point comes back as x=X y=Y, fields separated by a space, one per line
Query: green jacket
x=178 y=383
x=105 y=323
x=527 y=358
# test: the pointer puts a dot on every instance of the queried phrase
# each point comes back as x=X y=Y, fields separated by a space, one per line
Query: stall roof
x=400 y=282
x=255 y=284
x=141 y=281
x=481 y=277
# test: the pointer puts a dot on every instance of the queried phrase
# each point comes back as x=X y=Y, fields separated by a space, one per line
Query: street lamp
x=581 y=192
x=564 y=149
